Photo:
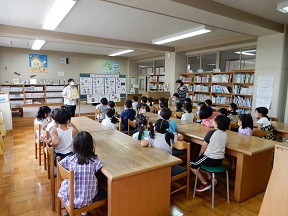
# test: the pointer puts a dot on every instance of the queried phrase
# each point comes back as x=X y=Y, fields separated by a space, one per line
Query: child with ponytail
x=142 y=132
x=264 y=122
x=159 y=137
x=110 y=119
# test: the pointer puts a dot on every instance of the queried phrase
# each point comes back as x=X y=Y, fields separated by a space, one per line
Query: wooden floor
x=25 y=189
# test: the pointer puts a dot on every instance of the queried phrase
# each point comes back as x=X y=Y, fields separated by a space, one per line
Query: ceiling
x=104 y=27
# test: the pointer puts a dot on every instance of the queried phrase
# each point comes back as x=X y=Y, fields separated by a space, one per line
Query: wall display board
x=93 y=87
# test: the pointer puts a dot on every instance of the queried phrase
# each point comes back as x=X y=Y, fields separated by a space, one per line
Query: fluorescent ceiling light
x=121 y=53
x=37 y=44
x=181 y=35
x=245 y=53
x=283 y=7
x=59 y=10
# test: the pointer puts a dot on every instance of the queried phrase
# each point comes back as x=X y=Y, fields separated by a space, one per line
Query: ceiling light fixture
x=181 y=35
x=37 y=44
x=283 y=7
x=59 y=10
x=121 y=53
x=245 y=53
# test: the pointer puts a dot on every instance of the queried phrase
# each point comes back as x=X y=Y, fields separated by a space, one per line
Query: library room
x=143 y=107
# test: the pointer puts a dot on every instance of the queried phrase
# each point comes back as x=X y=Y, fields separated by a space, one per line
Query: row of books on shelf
x=222 y=78
x=15 y=96
x=199 y=97
x=241 y=101
x=17 y=103
x=156 y=86
x=53 y=94
x=54 y=88
x=157 y=79
x=201 y=88
x=11 y=89
x=54 y=100
x=221 y=89
x=203 y=79
x=243 y=78
x=243 y=111
x=238 y=89
x=221 y=100
x=33 y=88
x=186 y=79
x=34 y=95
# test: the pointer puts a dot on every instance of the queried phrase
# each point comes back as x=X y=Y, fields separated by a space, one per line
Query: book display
x=222 y=88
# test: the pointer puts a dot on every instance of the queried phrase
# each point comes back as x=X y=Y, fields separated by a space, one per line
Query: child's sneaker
x=203 y=187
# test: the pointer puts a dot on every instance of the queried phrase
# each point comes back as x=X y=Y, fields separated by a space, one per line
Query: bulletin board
x=93 y=87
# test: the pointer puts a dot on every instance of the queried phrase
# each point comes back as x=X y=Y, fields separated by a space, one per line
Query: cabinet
x=33 y=95
x=222 y=88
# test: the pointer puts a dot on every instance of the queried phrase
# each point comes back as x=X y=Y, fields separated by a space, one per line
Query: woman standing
x=182 y=91
x=70 y=95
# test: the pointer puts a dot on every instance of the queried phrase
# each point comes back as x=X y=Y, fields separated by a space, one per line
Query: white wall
x=269 y=61
x=17 y=60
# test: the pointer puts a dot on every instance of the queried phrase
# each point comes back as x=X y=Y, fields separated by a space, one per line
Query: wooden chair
x=97 y=115
x=62 y=174
x=196 y=118
x=38 y=143
x=50 y=157
x=131 y=124
x=233 y=125
x=273 y=119
x=119 y=124
x=259 y=133
x=45 y=153
x=152 y=109
x=179 y=172
x=156 y=109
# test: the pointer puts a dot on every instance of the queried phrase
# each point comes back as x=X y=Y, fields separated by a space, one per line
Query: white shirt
x=264 y=121
x=134 y=105
x=65 y=141
x=107 y=122
x=159 y=142
x=50 y=125
x=66 y=92
x=216 y=144
x=189 y=117
x=102 y=108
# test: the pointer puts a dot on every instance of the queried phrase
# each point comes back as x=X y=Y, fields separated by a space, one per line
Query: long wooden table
x=253 y=158
x=281 y=129
x=89 y=125
x=152 y=117
x=138 y=177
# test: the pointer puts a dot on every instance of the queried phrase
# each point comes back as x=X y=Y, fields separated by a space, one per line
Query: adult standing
x=70 y=95
x=182 y=91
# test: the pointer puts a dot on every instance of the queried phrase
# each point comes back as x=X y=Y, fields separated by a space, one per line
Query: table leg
x=252 y=174
x=143 y=194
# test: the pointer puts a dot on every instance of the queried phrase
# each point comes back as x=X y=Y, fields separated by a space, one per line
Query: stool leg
x=227 y=183
x=195 y=185
x=213 y=182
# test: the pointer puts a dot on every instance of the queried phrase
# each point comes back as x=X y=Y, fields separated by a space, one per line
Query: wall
x=17 y=61
x=269 y=61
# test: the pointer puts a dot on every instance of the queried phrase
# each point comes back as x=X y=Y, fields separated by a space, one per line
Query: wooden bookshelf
x=29 y=95
x=222 y=88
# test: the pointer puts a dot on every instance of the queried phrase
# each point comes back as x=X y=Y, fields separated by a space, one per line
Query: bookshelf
x=33 y=94
x=222 y=88
x=156 y=79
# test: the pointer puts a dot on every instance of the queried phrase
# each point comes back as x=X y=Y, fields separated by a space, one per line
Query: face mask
x=71 y=83
x=144 y=111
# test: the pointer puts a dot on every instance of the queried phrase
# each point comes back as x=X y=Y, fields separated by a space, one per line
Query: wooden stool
x=213 y=170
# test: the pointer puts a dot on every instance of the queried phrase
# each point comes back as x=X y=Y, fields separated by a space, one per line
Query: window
x=208 y=62
x=193 y=63
x=248 y=58
x=230 y=60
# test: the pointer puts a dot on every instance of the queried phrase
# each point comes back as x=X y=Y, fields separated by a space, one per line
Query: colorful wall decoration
x=110 y=67
x=38 y=63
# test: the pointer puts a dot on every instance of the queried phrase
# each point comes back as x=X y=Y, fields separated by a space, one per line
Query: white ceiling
x=131 y=21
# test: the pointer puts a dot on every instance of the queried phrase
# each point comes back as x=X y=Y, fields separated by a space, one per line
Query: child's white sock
x=84 y=213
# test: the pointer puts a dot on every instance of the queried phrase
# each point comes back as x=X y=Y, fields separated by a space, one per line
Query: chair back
x=119 y=124
x=50 y=156
x=182 y=145
x=156 y=109
x=273 y=119
x=259 y=133
x=131 y=124
x=97 y=115
x=176 y=115
x=233 y=125
x=196 y=118
x=151 y=109
x=37 y=132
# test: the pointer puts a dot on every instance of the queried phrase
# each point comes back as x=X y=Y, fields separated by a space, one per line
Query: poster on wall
x=85 y=85
x=98 y=85
x=120 y=85
x=110 y=85
x=38 y=63
x=110 y=67
x=264 y=91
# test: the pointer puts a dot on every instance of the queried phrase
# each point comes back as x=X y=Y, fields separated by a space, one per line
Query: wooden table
x=89 y=125
x=152 y=117
x=281 y=129
x=138 y=177
x=253 y=158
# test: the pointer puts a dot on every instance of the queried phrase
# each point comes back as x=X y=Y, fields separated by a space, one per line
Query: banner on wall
x=110 y=67
x=38 y=63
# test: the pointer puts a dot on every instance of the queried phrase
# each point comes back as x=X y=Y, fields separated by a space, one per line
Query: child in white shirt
x=188 y=116
x=110 y=120
x=102 y=107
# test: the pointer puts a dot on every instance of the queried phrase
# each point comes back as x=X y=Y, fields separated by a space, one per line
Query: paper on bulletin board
x=263 y=102
x=85 y=85
x=98 y=85
x=265 y=81
x=120 y=85
x=110 y=85
x=264 y=92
